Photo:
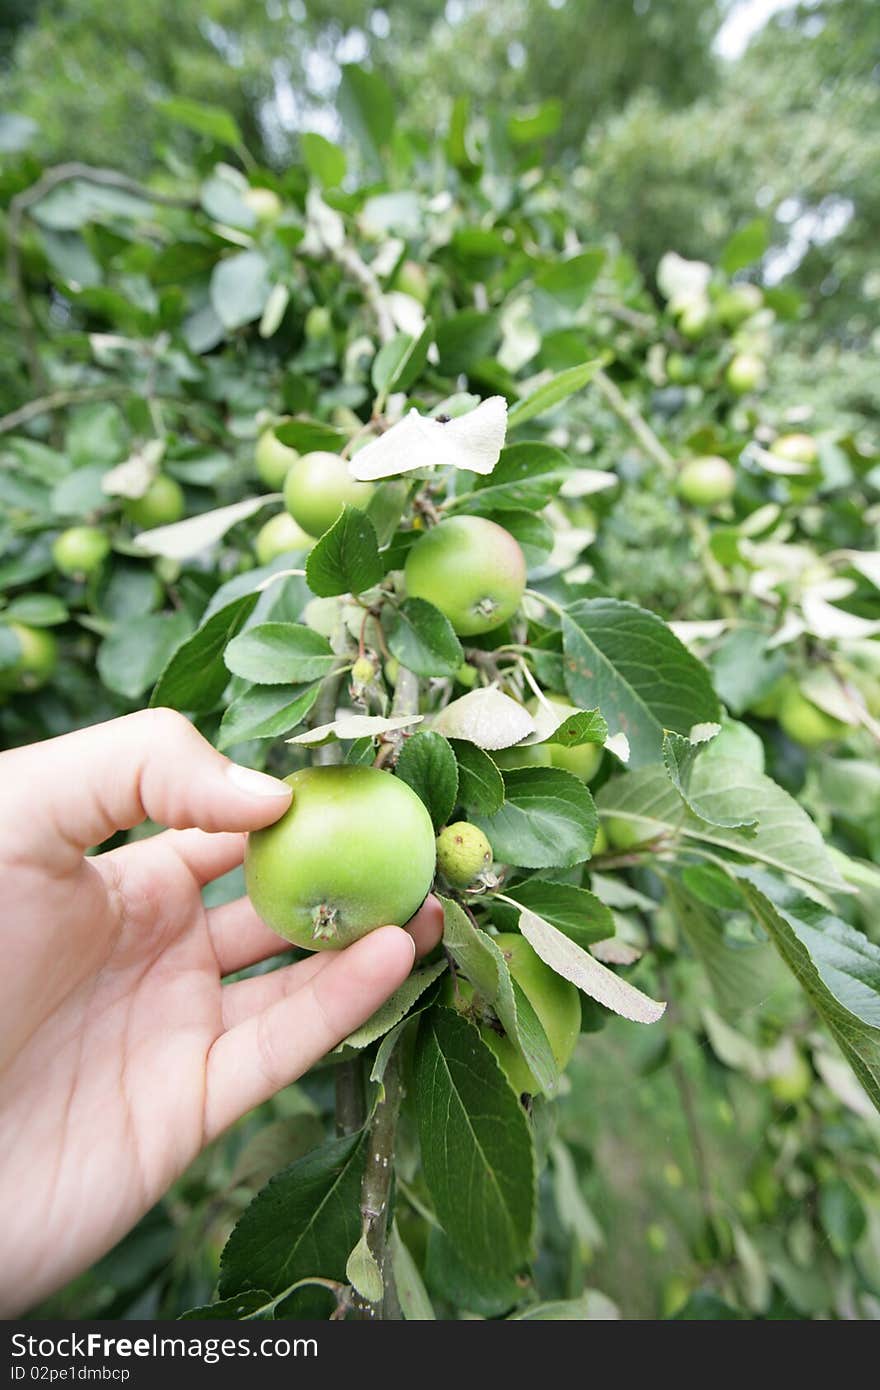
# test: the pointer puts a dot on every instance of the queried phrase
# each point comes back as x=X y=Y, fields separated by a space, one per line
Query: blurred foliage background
x=673 y=126
x=669 y=124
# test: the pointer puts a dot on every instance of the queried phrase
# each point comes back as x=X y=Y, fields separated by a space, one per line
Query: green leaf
x=266 y=711
x=255 y=1306
x=785 y=839
x=274 y=653
x=842 y=1216
x=562 y=289
x=304 y=1223
x=427 y=764
x=276 y=1146
x=548 y=820
x=363 y=1273
x=627 y=662
x=395 y=1008
x=422 y=639
x=526 y=475
x=322 y=158
x=679 y=756
x=477 y=1154
x=133 y=655
x=36 y=610
x=742 y=974
x=457 y=1283
x=204 y=119
x=80 y=492
x=310 y=436
x=399 y=363
x=366 y=105
x=590 y=1306
x=534 y=533
x=745 y=247
x=484 y=964
x=411 y=1291
x=551 y=392
x=222 y=198
x=480 y=784
x=195 y=677
x=240 y=286
x=836 y=965
x=346 y=558
x=466 y=337
x=576 y=912
x=535 y=123
x=595 y=979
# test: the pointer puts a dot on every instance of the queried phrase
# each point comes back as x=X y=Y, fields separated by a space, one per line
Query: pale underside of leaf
x=576 y=965
x=472 y=442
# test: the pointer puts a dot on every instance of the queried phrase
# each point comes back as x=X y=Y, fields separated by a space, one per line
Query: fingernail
x=246 y=779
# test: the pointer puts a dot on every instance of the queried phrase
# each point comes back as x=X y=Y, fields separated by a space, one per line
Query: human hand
x=122 y=1053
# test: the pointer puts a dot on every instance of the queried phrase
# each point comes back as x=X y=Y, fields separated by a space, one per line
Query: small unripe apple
x=745 y=373
x=162 y=504
x=736 y=304
x=279 y=535
x=263 y=203
x=318 y=323
x=625 y=834
x=805 y=723
x=796 y=448
x=793 y=1084
x=522 y=755
x=411 y=279
x=80 y=551
x=679 y=369
x=706 y=481
x=767 y=706
x=36 y=662
x=363 y=671
x=695 y=318
x=273 y=460
x=463 y=853
x=317 y=488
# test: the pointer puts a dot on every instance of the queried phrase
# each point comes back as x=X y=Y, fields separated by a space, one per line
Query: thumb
x=66 y=795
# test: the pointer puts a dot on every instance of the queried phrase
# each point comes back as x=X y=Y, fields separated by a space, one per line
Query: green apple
x=706 y=481
x=355 y=851
x=162 y=504
x=318 y=487
x=80 y=551
x=279 y=535
x=555 y=1001
x=471 y=569
x=273 y=460
x=36 y=663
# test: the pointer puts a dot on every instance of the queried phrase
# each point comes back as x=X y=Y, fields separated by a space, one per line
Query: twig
x=353 y=262
x=376 y=1188
x=350 y=1107
x=57 y=400
x=324 y=712
x=636 y=423
x=639 y=427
